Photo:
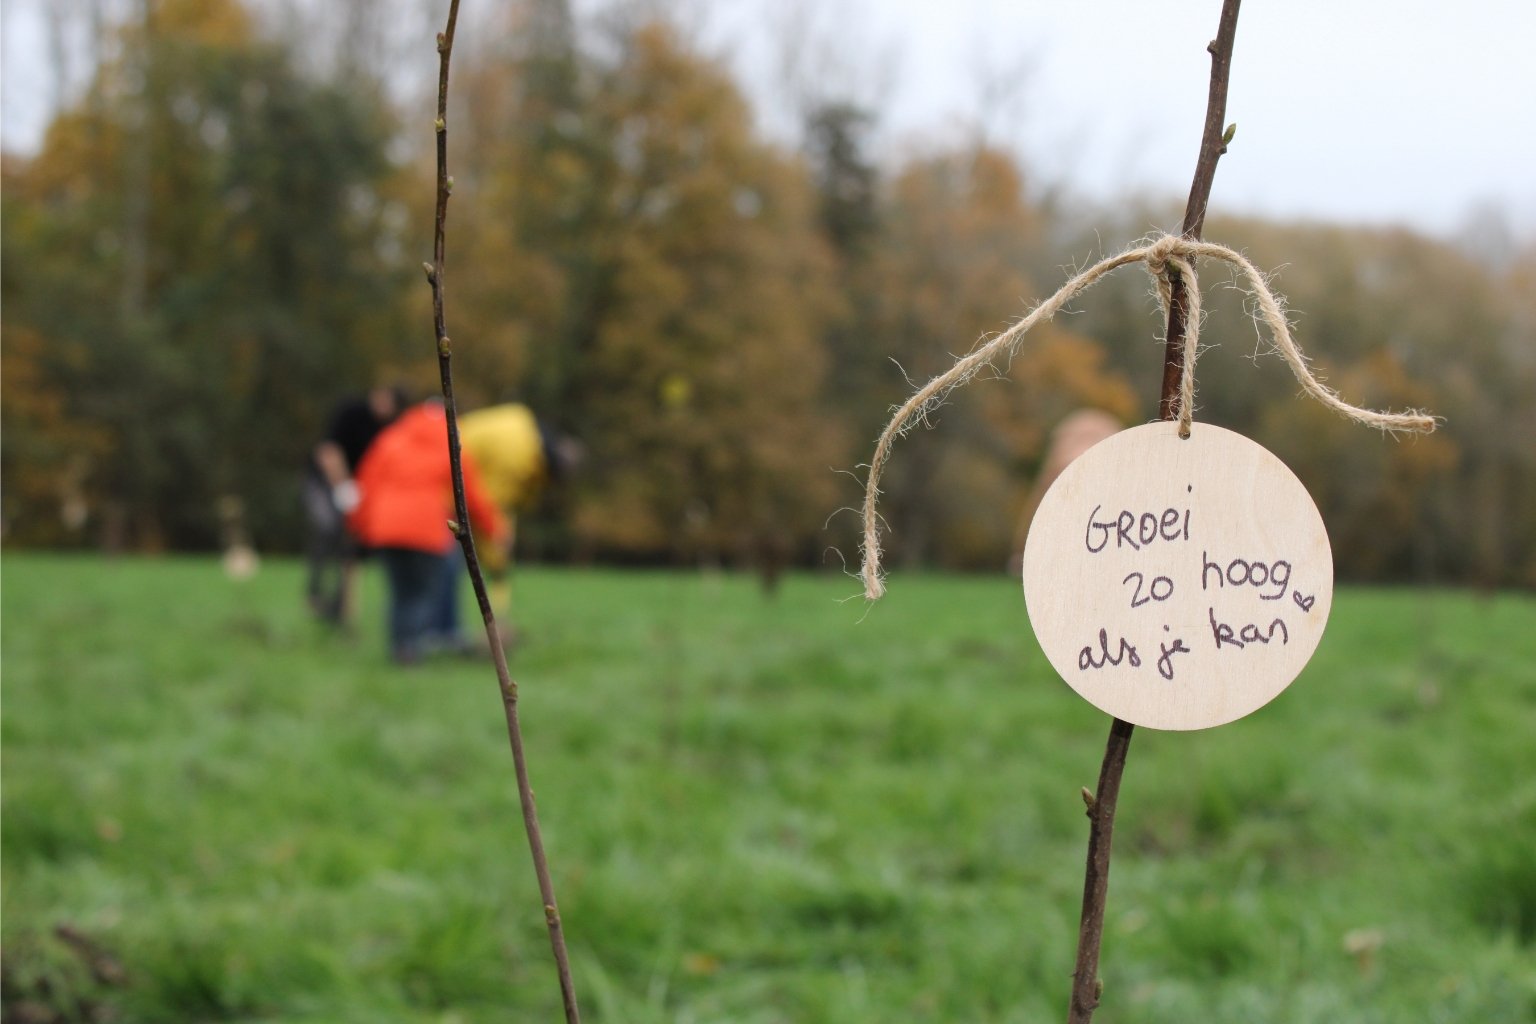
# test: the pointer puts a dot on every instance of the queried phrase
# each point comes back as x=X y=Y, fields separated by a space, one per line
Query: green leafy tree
x=849 y=204
x=203 y=247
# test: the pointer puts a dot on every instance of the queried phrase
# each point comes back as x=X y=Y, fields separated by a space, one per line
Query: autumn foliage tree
x=1390 y=318
x=218 y=239
x=957 y=232
x=705 y=372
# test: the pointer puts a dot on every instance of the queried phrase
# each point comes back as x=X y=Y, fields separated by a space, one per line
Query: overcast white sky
x=1413 y=111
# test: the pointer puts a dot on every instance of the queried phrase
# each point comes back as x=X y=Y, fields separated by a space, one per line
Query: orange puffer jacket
x=407 y=490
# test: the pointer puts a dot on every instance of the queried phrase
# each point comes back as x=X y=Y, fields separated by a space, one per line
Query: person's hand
x=346 y=495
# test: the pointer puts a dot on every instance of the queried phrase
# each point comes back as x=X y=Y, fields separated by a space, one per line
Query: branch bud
x=450 y=184
x=442 y=41
x=1227 y=135
x=440 y=126
x=430 y=272
x=1088 y=799
x=444 y=347
x=454 y=527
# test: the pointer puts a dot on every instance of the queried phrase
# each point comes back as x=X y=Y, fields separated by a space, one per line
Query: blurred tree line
x=221 y=236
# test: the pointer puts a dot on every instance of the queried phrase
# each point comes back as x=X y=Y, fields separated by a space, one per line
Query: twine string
x=1159 y=255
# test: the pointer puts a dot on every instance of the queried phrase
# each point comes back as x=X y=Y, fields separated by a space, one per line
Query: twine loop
x=1174 y=251
x=1162 y=257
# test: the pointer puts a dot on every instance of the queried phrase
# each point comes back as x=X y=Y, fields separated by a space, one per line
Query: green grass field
x=798 y=810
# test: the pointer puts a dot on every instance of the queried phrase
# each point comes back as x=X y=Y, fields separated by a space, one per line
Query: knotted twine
x=1160 y=255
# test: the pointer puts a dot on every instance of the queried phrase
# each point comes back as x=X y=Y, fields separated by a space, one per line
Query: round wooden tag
x=1178 y=583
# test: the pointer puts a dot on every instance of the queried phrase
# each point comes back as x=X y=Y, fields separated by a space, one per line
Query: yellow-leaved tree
x=957 y=234
x=700 y=362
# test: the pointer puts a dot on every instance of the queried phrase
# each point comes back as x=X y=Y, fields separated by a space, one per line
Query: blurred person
x=405 y=501
x=518 y=456
x=331 y=493
x=1073 y=436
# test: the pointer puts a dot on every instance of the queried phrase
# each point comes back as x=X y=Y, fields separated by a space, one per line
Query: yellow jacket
x=504 y=443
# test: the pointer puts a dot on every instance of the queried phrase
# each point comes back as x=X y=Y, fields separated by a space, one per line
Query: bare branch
x=1213 y=143
x=466 y=536
x=1087 y=988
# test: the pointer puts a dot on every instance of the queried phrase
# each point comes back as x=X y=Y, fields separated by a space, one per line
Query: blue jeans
x=423 y=601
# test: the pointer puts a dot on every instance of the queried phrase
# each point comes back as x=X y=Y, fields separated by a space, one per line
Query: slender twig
x=466 y=536
x=1213 y=143
x=1086 y=984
